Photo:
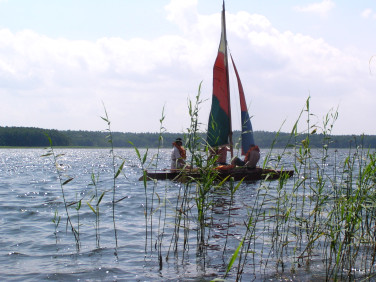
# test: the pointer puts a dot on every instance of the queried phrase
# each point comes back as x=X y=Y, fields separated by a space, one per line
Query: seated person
x=178 y=154
x=251 y=158
x=221 y=152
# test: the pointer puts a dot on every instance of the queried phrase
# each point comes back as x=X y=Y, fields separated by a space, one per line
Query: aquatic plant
x=233 y=188
x=161 y=228
x=77 y=208
x=319 y=214
x=144 y=180
x=62 y=181
x=56 y=221
x=97 y=200
x=322 y=219
x=116 y=172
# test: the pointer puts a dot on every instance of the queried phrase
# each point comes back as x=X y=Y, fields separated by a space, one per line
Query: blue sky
x=59 y=60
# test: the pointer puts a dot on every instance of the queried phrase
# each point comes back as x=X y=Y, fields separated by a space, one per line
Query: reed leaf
x=136 y=149
x=91 y=207
x=106 y=120
x=67 y=181
x=223 y=181
x=46 y=155
x=233 y=257
x=120 y=169
x=145 y=156
x=237 y=186
x=100 y=198
x=78 y=207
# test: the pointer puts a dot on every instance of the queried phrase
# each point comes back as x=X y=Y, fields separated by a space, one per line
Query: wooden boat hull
x=236 y=173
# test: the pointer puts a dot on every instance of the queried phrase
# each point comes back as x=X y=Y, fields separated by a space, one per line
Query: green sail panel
x=219 y=129
x=219 y=126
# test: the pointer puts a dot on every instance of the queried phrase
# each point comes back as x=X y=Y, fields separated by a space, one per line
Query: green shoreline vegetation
x=36 y=137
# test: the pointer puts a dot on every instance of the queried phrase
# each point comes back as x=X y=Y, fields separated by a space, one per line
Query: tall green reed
x=162 y=129
x=63 y=180
x=115 y=170
x=56 y=221
x=161 y=226
x=143 y=160
x=325 y=211
x=320 y=212
x=97 y=198
x=193 y=201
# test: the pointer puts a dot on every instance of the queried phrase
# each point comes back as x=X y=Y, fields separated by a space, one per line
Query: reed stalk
x=160 y=143
x=204 y=184
x=77 y=208
x=56 y=221
x=98 y=199
x=319 y=212
x=116 y=172
x=233 y=188
x=142 y=160
x=55 y=157
x=161 y=229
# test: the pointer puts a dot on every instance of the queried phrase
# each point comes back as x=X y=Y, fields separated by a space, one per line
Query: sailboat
x=220 y=126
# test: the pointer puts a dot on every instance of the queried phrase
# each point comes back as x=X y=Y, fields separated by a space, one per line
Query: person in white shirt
x=178 y=155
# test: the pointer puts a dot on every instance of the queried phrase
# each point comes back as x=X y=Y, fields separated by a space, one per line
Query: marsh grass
x=115 y=174
x=321 y=220
x=323 y=214
x=56 y=221
x=63 y=180
x=97 y=199
x=162 y=204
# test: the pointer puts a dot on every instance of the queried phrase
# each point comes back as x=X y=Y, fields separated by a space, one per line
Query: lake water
x=31 y=196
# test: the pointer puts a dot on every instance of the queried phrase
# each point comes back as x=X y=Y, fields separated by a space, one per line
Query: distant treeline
x=37 y=137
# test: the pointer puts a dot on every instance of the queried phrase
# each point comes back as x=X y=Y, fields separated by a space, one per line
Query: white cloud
x=322 y=8
x=182 y=12
x=57 y=80
x=368 y=14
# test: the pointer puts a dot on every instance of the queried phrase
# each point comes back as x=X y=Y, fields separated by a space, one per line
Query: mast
x=227 y=78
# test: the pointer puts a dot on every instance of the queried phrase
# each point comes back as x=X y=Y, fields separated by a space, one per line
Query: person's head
x=178 y=141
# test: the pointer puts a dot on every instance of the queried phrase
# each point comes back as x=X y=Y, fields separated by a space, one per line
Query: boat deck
x=237 y=174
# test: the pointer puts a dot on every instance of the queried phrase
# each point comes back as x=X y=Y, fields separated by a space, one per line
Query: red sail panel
x=243 y=104
x=219 y=127
x=247 y=131
x=220 y=89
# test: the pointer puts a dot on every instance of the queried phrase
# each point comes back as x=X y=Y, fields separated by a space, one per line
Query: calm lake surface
x=31 y=196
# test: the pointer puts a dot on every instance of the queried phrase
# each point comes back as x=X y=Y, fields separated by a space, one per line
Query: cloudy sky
x=60 y=61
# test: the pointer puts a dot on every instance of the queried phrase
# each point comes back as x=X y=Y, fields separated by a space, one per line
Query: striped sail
x=219 y=127
x=247 y=131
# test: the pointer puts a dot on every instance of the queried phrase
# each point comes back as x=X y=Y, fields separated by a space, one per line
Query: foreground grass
x=325 y=215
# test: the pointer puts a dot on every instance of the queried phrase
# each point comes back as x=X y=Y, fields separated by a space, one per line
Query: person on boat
x=178 y=155
x=221 y=153
x=251 y=158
